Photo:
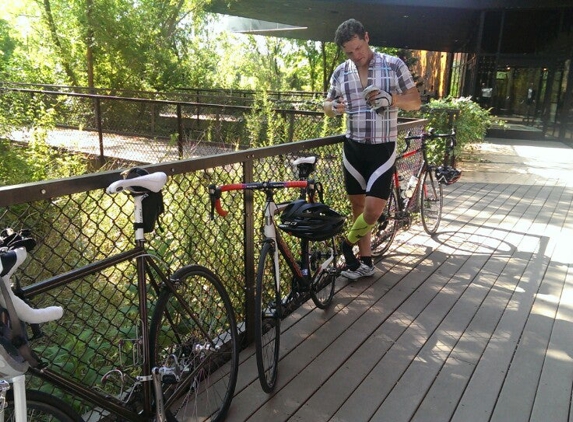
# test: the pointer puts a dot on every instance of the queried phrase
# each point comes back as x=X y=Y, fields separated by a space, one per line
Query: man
x=369 y=88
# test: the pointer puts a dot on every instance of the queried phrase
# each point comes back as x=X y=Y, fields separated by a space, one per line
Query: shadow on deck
x=474 y=324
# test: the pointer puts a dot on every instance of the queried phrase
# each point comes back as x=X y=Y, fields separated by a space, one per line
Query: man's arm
x=409 y=100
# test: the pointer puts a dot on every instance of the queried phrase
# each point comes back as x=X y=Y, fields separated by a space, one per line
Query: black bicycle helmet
x=314 y=221
x=448 y=175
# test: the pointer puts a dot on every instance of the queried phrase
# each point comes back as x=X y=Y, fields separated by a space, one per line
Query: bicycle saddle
x=305 y=165
x=305 y=160
x=151 y=182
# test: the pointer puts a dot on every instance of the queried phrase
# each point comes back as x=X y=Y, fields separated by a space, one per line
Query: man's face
x=358 y=50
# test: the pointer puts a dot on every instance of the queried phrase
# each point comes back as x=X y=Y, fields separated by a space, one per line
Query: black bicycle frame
x=145 y=263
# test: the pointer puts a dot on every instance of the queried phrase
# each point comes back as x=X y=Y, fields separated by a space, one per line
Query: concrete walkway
x=518 y=161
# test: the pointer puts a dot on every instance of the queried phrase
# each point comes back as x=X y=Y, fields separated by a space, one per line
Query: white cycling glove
x=334 y=104
x=377 y=98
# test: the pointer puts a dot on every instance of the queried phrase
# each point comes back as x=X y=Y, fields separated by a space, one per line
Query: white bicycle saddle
x=153 y=182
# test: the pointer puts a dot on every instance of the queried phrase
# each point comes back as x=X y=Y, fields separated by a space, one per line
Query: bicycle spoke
x=267 y=321
x=322 y=264
x=195 y=346
x=383 y=233
x=431 y=201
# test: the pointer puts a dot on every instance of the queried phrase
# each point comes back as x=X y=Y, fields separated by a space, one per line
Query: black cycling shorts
x=368 y=168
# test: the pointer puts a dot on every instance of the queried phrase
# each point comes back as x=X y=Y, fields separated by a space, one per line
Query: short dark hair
x=348 y=30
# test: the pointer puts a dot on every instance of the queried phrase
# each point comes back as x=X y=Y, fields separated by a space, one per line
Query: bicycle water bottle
x=402 y=187
x=411 y=186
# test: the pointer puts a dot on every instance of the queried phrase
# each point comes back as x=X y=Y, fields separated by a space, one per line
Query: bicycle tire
x=384 y=231
x=322 y=289
x=267 y=319
x=198 y=351
x=43 y=407
x=431 y=200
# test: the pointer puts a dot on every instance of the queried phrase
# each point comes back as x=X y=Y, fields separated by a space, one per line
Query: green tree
x=144 y=44
x=7 y=46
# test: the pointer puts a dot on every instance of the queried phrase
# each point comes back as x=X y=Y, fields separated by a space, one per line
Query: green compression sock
x=359 y=229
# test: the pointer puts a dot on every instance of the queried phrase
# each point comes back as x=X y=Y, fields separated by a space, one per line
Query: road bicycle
x=422 y=194
x=183 y=362
x=313 y=272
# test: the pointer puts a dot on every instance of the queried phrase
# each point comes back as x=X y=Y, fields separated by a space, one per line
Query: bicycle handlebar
x=216 y=191
x=430 y=134
x=14 y=248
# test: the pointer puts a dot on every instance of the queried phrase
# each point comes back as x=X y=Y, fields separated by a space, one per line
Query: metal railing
x=123 y=129
x=76 y=223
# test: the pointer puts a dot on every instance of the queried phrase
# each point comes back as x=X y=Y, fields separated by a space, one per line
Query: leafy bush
x=35 y=161
x=470 y=121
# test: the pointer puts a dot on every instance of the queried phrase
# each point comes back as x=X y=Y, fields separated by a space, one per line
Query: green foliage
x=146 y=45
x=466 y=116
x=266 y=124
x=7 y=45
x=35 y=161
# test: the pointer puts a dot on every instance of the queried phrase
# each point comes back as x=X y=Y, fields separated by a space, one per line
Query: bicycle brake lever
x=310 y=189
x=213 y=193
x=215 y=198
x=320 y=192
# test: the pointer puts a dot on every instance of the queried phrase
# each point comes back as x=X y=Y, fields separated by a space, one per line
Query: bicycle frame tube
x=146 y=376
x=405 y=203
x=271 y=233
x=89 y=394
x=111 y=404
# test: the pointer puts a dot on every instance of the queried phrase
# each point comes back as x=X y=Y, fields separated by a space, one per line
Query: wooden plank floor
x=474 y=324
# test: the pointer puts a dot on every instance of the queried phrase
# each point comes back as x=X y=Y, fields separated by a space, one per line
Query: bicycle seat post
x=138 y=218
x=305 y=166
x=19 y=384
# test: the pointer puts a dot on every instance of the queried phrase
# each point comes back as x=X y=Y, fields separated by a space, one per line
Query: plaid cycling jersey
x=363 y=124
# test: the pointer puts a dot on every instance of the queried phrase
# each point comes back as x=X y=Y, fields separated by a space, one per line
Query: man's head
x=347 y=30
x=353 y=40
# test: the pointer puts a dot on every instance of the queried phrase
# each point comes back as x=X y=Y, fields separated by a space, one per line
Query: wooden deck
x=474 y=324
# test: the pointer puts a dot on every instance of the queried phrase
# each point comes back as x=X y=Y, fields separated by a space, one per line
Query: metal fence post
x=99 y=129
x=249 y=258
x=180 y=131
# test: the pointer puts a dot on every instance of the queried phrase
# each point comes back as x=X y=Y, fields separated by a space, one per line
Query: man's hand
x=377 y=98
x=335 y=107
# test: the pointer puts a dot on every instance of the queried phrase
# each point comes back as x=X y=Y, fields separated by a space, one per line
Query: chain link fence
x=114 y=130
x=77 y=224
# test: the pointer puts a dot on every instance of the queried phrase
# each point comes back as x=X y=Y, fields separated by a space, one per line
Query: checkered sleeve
x=403 y=75
x=334 y=90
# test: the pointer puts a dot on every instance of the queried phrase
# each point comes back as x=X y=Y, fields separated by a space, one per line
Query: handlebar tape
x=215 y=192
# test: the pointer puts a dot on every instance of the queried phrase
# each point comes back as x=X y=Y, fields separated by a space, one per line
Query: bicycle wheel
x=194 y=343
x=384 y=232
x=322 y=288
x=267 y=319
x=431 y=200
x=41 y=407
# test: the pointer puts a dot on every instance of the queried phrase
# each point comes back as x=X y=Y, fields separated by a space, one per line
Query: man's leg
x=373 y=209
x=365 y=210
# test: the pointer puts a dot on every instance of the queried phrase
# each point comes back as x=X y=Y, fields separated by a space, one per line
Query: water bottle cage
x=411 y=187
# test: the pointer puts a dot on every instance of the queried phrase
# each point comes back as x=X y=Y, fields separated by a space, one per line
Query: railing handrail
x=29 y=192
